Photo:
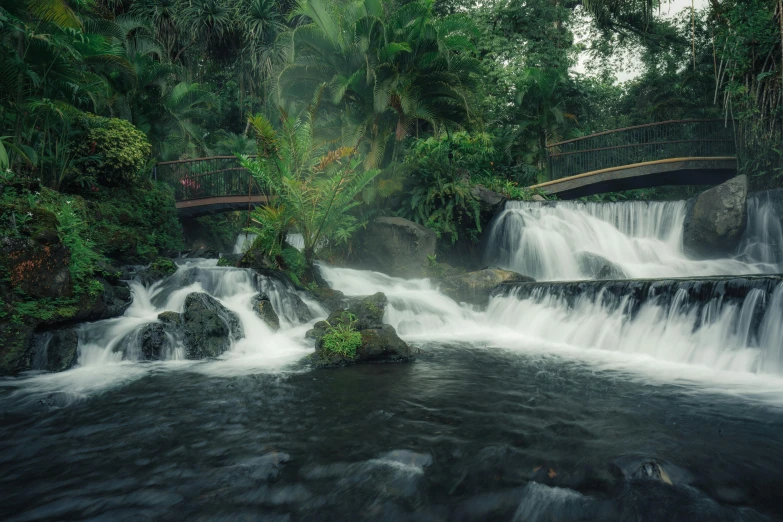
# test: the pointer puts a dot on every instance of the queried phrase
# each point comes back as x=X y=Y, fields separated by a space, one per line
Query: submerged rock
x=598 y=267
x=476 y=287
x=262 y=307
x=398 y=247
x=209 y=328
x=715 y=219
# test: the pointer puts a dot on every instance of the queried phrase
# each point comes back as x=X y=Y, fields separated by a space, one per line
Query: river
x=656 y=397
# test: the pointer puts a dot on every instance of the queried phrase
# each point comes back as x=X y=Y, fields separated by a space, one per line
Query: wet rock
x=715 y=219
x=328 y=298
x=170 y=318
x=397 y=247
x=203 y=252
x=262 y=307
x=160 y=268
x=209 y=328
x=491 y=202
x=301 y=311
x=369 y=311
x=153 y=341
x=598 y=267
x=476 y=287
x=55 y=351
x=537 y=197
x=650 y=470
x=383 y=345
x=230 y=260
x=38 y=270
x=379 y=342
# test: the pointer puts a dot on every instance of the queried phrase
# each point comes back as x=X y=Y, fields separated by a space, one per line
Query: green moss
x=163 y=265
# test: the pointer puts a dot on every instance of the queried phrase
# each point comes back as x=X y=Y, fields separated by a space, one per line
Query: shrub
x=116 y=151
x=342 y=338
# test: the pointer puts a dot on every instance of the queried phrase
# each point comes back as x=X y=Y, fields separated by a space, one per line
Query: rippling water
x=460 y=435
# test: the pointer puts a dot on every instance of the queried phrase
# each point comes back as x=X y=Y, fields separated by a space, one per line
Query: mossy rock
x=15 y=353
x=160 y=268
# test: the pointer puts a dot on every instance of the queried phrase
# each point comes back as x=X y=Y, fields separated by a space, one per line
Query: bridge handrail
x=203 y=178
x=640 y=143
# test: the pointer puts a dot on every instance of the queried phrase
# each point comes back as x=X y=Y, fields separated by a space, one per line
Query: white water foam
x=717 y=343
x=553 y=242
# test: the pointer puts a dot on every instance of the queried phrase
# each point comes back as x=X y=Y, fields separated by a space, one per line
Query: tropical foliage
x=314 y=185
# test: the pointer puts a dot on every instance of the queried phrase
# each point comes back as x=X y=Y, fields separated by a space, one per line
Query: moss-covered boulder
x=358 y=335
x=476 y=287
x=262 y=306
x=209 y=328
x=160 y=268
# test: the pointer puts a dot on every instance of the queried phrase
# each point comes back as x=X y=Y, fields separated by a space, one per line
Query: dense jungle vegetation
x=356 y=108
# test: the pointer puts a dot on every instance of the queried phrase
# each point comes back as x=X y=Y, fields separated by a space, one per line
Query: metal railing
x=643 y=143
x=207 y=178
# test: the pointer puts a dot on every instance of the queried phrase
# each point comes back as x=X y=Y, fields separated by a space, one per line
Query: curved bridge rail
x=671 y=152
x=640 y=144
x=210 y=185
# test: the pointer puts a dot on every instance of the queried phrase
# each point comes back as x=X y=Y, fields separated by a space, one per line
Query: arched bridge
x=677 y=152
x=210 y=185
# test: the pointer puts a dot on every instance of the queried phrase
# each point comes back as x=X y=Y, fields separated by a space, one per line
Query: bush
x=135 y=224
x=342 y=338
x=116 y=151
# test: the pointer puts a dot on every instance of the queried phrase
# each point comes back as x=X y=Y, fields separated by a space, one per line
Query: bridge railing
x=201 y=178
x=639 y=144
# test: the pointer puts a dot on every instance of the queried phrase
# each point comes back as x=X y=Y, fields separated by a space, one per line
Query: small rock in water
x=262 y=307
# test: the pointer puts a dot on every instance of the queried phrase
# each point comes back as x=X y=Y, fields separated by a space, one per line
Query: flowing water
x=590 y=400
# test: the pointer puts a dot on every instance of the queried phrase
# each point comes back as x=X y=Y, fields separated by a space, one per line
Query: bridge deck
x=672 y=171
x=216 y=205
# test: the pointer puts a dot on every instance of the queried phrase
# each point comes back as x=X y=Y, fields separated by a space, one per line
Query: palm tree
x=387 y=73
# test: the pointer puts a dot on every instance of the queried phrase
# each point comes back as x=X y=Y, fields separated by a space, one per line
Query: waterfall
x=763 y=239
x=560 y=241
x=717 y=324
x=244 y=241
x=115 y=340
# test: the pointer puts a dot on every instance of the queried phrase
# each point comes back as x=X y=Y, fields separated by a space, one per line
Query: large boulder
x=379 y=342
x=476 y=287
x=715 y=219
x=598 y=267
x=209 y=328
x=262 y=306
x=398 y=247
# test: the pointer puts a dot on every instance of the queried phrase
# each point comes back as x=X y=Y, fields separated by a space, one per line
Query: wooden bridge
x=677 y=152
x=210 y=185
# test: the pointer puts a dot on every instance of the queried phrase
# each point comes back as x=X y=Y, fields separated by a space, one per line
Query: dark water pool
x=462 y=434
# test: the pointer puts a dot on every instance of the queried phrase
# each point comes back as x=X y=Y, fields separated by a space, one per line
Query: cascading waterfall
x=244 y=241
x=739 y=334
x=563 y=241
x=763 y=240
x=115 y=340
